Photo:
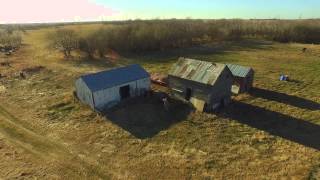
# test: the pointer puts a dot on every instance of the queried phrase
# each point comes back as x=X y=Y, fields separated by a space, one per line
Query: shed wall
x=222 y=88
x=83 y=93
x=212 y=95
x=143 y=85
x=179 y=87
x=111 y=96
x=250 y=79
x=243 y=84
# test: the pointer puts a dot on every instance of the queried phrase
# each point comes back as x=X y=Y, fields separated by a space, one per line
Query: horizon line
x=155 y=19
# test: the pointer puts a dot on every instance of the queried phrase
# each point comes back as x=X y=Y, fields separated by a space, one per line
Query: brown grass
x=255 y=138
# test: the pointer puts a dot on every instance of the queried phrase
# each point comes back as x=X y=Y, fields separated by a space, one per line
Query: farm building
x=243 y=78
x=106 y=89
x=206 y=85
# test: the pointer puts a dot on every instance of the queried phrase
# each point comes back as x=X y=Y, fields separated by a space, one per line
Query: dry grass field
x=271 y=133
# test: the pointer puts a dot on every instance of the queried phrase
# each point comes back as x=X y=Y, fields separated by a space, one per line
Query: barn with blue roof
x=107 y=88
x=243 y=78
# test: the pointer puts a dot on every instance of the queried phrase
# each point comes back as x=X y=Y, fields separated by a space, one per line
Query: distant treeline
x=141 y=36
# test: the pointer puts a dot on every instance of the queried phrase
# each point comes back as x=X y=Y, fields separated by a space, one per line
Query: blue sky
x=146 y=9
x=30 y=11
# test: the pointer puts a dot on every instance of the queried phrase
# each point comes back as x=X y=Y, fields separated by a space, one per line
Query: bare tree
x=88 y=45
x=65 y=40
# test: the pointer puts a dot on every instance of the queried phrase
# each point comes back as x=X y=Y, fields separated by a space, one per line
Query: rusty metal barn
x=206 y=85
x=243 y=78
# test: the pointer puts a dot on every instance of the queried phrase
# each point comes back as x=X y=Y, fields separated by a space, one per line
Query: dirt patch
x=5 y=64
x=33 y=70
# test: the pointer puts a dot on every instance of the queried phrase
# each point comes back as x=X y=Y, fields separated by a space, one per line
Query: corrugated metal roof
x=195 y=70
x=114 y=77
x=239 y=71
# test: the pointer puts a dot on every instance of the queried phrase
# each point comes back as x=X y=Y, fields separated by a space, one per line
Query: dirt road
x=36 y=152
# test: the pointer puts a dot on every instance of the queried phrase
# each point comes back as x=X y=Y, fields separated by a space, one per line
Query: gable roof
x=239 y=71
x=199 y=71
x=110 y=78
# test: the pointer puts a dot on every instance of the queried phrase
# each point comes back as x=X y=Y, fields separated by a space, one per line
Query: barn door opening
x=124 y=92
x=222 y=103
x=188 y=94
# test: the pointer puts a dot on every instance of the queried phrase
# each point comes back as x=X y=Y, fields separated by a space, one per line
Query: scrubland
x=270 y=133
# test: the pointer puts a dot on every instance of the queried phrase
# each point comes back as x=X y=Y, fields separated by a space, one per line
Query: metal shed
x=106 y=89
x=243 y=78
x=204 y=84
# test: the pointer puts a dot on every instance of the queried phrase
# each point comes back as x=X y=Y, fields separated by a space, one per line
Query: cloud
x=25 y=11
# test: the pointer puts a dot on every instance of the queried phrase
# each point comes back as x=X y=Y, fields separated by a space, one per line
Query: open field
x=271 y=133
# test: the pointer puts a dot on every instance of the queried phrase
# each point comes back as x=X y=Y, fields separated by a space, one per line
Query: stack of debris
x=159 y=78
x=32 y=70
x=24 y=73
x=5 y=63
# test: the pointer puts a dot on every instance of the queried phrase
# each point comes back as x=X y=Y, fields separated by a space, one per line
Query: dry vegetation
x=10 y=40
x=272 y=133
x=144 y=36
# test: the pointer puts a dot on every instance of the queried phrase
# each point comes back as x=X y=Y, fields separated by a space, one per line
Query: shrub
x=10 y=40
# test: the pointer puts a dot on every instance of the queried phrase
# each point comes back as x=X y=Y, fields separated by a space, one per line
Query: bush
x=10 y=40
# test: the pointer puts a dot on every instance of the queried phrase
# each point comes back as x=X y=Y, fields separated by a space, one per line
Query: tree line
x=157 y=35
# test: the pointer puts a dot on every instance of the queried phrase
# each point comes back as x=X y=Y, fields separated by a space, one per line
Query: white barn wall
x=104 y=97
x=143 y=84
x=83 y=93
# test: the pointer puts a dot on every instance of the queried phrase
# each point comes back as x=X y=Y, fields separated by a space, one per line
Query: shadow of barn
x=286 y=99
x=146 y=117
x=290 y=128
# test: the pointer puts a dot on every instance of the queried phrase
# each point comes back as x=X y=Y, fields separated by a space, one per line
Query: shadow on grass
x=86 y=61
x=199 y=51
x=286 y=99
x=293 y=129
x=171 y=55
x=146 y=117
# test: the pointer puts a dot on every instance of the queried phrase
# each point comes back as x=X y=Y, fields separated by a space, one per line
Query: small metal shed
x=243 y=78
x=106 y=89
x=206 y=85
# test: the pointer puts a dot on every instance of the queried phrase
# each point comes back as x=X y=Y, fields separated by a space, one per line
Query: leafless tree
x=65 y=40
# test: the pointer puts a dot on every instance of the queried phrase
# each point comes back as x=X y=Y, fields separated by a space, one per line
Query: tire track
x=27 y=139
x=46 y=149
